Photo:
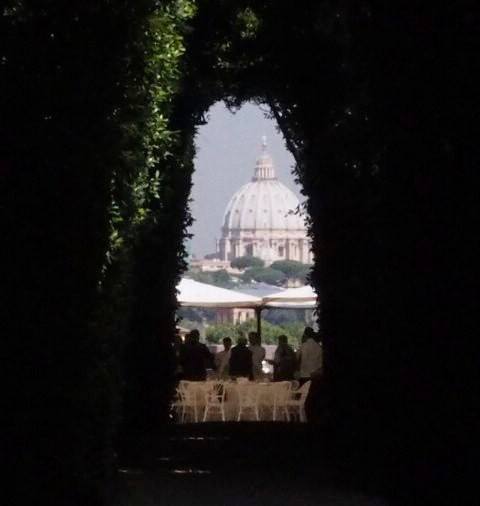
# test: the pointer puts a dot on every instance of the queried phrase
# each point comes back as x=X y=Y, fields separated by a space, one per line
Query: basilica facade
x=262 y=219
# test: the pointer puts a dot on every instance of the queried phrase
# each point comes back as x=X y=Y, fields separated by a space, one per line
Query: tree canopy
x=219 y=278
x=246 y=261
x=292 y=269
x=264 y=275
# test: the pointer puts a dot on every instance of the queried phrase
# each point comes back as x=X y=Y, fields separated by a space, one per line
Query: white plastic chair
x=281 y=396
x=265 y=397
x=177 y=404
x=189 y=402
x=214 y=399
x=296 y=402
x=247 y=399
x=295 y=384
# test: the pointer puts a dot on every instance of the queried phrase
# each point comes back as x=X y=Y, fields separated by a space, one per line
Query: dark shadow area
x=238 y=463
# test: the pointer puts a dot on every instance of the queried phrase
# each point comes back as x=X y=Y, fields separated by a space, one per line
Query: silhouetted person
x=222 y=358
x=195 y=358
x=310 y=355
x=317 y=404
x=241 y=360
x=307 y=333
x=258 y=354
x=284 y=361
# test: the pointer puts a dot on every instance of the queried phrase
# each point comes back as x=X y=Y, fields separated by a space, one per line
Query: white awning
x=195 y=294
x=302 y=297
x=290 y=305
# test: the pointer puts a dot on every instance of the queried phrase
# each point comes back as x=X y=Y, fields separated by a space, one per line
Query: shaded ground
x=234 y=464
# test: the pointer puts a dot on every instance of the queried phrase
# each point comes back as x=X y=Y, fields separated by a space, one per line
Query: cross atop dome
x=264 y=142
x=264 y=168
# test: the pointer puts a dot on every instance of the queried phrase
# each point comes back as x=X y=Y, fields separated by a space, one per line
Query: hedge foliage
x=85 y=166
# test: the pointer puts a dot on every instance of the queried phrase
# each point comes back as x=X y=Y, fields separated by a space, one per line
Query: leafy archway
x=236 y=52
x=229 y=56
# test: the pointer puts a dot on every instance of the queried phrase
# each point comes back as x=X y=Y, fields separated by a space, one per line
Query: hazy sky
x=227 y=147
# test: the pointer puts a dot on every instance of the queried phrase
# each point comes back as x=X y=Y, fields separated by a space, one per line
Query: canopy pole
x=258 y=314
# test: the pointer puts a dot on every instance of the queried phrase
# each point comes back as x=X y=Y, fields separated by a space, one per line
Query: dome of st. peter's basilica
x=262 y=219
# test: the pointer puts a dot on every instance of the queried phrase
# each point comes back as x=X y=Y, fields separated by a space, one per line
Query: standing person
x=222 y=358
x=195 y=358
x=241 y=363
x=310 y=355
x=284 y=361
x=258 y=354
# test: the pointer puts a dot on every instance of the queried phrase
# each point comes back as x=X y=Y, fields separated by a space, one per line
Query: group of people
x=241 y=360
x=246 y=358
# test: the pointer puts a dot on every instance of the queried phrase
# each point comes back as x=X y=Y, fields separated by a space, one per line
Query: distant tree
x=283 y=317
x=200 y=276
x=246 y=262
x=219 y=278
x=215 y=333
x=292 y=269
x=264 y=275
x=222 y=278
